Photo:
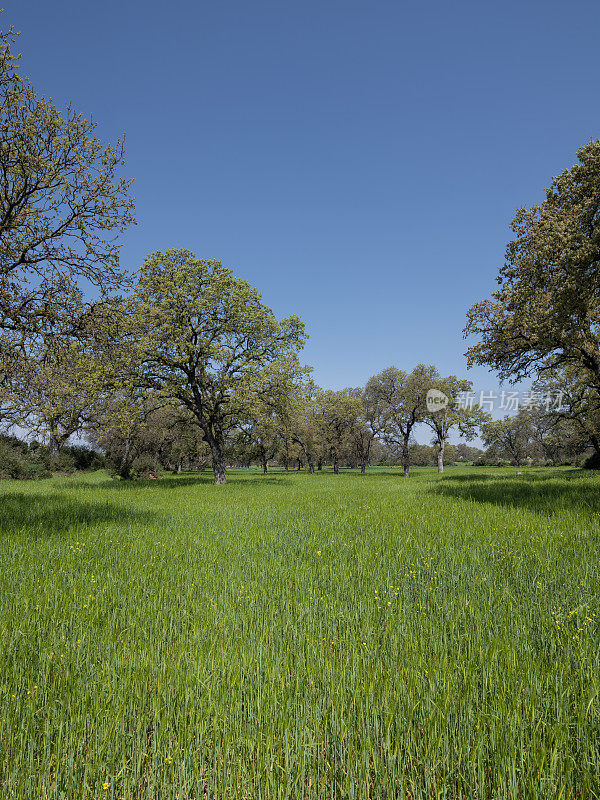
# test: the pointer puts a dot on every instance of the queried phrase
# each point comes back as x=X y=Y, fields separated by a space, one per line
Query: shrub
x=33 y=470
x=85 y=458
x=64 y=462
x=11 y=461
x=143 y=466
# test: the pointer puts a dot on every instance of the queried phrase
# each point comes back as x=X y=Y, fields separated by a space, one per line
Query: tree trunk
x=285 y=464
x=54 y=445
x=218 y=468
x=215 y=442
x=406 y=457
x=299 y=464
x=319 y=465
x=367 y=453
x=309 y=460
x=440 y=456
x=263 y=461
x=125 y=466
x=336 y=468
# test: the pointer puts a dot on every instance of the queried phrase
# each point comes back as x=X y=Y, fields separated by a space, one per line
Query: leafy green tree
x=207 y=341
x=62 y=206
x=62 y=384
x=362 y=434
x=259 y=436
x=399 y=397
x=171 y=439
x=570 y=421
x=464 y=453
x=301 y=422
x=453 y=415
x=509 y=437
x=124 y=425
x=546 y=312
x=265 y=430
x=56 y=395
x=337 y=413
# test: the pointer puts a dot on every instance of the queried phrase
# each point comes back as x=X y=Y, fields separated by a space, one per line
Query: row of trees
x=183 y=364
x=192 y=361
x=186 y=363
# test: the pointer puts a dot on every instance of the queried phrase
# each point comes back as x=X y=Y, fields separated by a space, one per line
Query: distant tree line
x=183 y=366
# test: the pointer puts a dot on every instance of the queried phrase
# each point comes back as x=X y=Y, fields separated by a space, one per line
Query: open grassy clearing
x=301 y=636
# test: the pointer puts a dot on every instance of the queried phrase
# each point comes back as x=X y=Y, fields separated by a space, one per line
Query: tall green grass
x=297 y=636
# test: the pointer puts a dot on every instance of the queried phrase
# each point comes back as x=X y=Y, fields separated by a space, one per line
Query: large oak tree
x=208 y=341
x=546 y=312
x=63 y=204
x=399 y=398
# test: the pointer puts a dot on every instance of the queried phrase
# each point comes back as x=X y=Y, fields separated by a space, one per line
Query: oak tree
x=399 y=397
x=207 y=341
x=546 y=311
x=63 y=204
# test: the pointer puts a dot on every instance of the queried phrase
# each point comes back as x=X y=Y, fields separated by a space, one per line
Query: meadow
x=297 y=636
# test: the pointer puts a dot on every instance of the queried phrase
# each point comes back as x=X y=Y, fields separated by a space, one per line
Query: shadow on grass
x=182 y=481
x=510 y=474
x=564 y=490
x=47 y=514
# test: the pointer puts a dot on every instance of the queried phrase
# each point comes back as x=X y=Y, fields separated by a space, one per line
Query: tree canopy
x=208 y=341
x=546 y=312
x=63 y=204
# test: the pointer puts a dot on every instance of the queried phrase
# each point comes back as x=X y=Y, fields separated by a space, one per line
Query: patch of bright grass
x=297 y=636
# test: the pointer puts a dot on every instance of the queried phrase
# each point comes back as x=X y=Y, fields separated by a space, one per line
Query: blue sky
x=359 y=162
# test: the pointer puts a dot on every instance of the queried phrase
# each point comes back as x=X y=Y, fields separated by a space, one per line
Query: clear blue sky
x=359 y=162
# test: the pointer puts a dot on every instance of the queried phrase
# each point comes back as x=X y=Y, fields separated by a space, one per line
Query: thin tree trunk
x=363 y=466
x=336 y=468
x=309 y=460
x=125 y=466
x=54 y=445
x=440 y=456
x=406 y=456
x=263 y=461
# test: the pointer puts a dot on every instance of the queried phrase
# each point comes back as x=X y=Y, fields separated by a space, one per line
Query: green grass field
x=297 y=636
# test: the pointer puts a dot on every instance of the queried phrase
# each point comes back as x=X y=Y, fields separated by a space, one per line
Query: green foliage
x=62 y=206
x=547 y=309
x=207 y=342
x=398 y=398
x=509 y=437
x=21 y=461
